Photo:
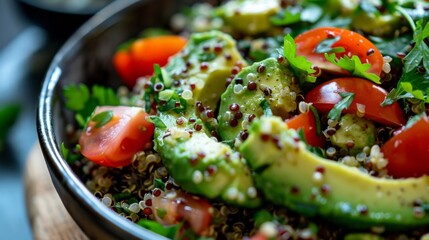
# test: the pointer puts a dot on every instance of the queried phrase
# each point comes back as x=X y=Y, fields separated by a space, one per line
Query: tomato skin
x=115 y=143
x=325 y=96
x=352 y=42
x=408 y=151
x=307 y=123
x=138 y=60
x=193 y=210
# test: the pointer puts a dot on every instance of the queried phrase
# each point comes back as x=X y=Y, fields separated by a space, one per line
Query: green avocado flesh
x=290 y=175
x=197 y=161
x=268 y=81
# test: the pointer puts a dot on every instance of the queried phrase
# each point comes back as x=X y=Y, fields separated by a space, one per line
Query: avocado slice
x=195 y=159
x=250 y=17
x=292 y=176
x=263 y=86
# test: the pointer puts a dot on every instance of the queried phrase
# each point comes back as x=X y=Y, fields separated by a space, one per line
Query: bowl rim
x=58 y=167
x=43 y=6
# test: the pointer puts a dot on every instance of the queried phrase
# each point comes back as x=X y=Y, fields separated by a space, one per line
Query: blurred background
x=32 y=31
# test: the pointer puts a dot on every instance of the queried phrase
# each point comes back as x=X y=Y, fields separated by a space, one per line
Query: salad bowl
x=86 y=58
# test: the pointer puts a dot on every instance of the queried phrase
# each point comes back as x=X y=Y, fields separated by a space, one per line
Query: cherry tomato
x=306 y=121
x=115 y=143
x=352 y=42
x=193 y=210
x=408 y=151
x=368 y=94
x=142 y=54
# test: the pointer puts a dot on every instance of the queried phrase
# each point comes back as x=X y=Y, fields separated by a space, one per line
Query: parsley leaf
x=159 y=184
x=335 y=113
x=354 y=66
x=420 y=52
x=102 y=118
x=295 y=14
x=301 y=67
x=80 y=99
x=157 y=122
x=414 y=82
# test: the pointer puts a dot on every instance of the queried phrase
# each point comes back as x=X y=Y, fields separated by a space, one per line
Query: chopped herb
x=299 y=64
x=121 y=196
x=170 y=232
x=354 y=66
x=157 y=122
x=266 y=107
x=158 y=72
x=176 y=103
x=346 y=101
x=262 y=216
x=325 y=46
x=316 y=120
x=69 y=156
x=316 y=150
x=295 y=14
x=102 y=118
x=414 y=82
x=82 y=101
x=206 y=56
x=159 y=184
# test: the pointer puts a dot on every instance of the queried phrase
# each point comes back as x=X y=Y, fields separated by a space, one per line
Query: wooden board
x=48 y=217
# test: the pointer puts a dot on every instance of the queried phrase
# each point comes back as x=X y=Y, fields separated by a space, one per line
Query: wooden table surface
x=48 y=217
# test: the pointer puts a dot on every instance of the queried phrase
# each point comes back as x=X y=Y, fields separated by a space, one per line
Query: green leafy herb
x=157 y=122
x=325 y=46
x=262 y=216
x=176 y=103
x=206 y=56
x=335 y=113
x=82 y=101
x=266 y=107
x=158 y=72
x=299 y=64
x=316 y=120
x=69 y=155
x=354 y=66
x=295 y=14
x=121 y=196
x=414 y=82
x=170 y=232
x=420 y=52
x=316 y=150
x=159 y=184
x=102 y=118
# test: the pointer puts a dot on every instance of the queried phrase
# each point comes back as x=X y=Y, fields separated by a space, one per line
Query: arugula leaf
x=354 y=66
x=335 y=113
x=325 y=46
x=167 y=231
x=102 y=118
x=299 y=64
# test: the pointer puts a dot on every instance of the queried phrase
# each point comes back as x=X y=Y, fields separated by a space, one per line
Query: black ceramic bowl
x=86 y=57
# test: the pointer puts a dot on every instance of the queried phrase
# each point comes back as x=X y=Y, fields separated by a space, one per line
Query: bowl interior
x=86 y=58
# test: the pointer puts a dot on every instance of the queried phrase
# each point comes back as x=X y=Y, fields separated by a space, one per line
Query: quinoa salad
x=265 y=119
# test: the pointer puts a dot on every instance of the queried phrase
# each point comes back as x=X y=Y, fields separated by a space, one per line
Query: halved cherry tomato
x=307 y=123
x=142 y=54
x=408 y=151
x=193 y=210
x=115 y=143
x=352 y=42
x=325 y=96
